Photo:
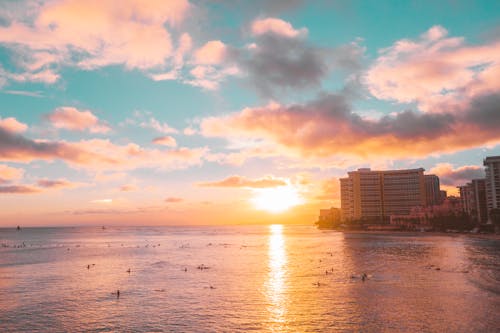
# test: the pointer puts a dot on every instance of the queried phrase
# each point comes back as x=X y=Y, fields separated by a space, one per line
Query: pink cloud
x=97 y=154
x=157 y=126
x=212 y=53
x=189 y=131
x=239 y=181
x=451 y=176
x=327 y=127
x=72 y=119
x=436 y=71
x=59 y=31
x=276 y=26
x=12 y=125
x=56 y=183
x=165 y=141
x=18 y=189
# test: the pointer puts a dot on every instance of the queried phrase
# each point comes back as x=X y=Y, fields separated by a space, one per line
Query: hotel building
x=473 y=200
x=376 y=195
x=492 y=169
x=432 y=190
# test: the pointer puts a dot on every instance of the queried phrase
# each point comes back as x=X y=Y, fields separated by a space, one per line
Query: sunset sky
x=217 y=112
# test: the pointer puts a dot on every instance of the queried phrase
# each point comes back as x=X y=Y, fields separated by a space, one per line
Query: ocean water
x=254 y=278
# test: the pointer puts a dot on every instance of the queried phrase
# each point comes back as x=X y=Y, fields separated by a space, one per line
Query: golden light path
x=275 y=285
x=276 y=199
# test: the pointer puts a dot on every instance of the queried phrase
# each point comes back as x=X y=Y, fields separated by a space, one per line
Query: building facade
x=329 y=218
x=376 y=195
x=492 y=182
x=473 y=200
x=432 y=190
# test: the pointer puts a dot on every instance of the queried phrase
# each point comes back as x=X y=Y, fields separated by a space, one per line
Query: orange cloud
x=127 y=188
x=327 y=127
x=330 y=190
x=173 y=200
x=72 y=119
x=239 y=181
x=276 y=26
x=8 y=173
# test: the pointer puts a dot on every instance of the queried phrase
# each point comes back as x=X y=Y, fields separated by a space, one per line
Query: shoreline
x=417 y=233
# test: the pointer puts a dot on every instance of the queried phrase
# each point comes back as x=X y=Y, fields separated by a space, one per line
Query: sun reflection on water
x=275 y=284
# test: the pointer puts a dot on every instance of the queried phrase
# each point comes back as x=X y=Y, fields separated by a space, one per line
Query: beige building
x=492 y=179
x=376 y=195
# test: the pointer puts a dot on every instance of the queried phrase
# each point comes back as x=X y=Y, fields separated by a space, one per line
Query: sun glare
x=276 y=199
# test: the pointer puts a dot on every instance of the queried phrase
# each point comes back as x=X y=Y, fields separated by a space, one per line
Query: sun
x=276 y=199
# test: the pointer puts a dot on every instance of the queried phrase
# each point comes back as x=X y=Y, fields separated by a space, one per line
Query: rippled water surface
x=258 y=278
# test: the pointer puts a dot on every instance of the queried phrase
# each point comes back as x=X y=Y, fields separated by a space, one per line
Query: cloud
x=330 y=190
x=450 y=176
x=189 y=131
x=8 y=173
x=12 y=125
x=173 y=200
x=37 y=94
x=71 y=118
x=18 y=189
x=212 y=53
x=58 y=33
x=55 y=184
x=184 y=46
x=210 y=77
x=327 y=127
x=145 y=119
x=157 y=126
x=102 y=201
x=239 y=181
x=436 y=71
x=17 y=148
x=165 y=141
x=278 y=62
x=96 y=154
x=281 y=59
x=127 y=188
x=276 y=26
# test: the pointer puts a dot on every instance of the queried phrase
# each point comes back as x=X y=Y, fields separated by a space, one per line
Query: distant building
x=473 y=200
x=492 y=169
x=442 y=196
x=328 y=218
x=432 y=190
x=376 y=195
x=466 y=197
x=479 y=192
x=421 y=217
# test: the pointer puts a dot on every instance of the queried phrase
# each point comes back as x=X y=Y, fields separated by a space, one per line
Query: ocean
x=246 y=278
